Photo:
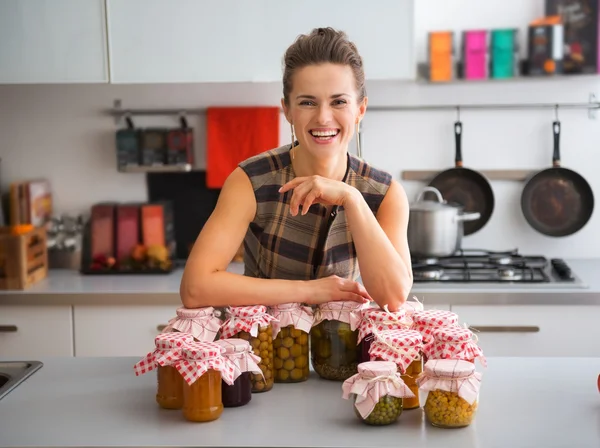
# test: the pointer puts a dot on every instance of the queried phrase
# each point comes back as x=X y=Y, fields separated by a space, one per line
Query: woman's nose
x=324 y=114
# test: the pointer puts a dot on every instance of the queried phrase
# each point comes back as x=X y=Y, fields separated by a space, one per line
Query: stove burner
x=509 y=274
x=500 y=259
x=429 y=274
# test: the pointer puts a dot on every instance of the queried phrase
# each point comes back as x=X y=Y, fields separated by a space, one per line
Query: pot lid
x=431 y=205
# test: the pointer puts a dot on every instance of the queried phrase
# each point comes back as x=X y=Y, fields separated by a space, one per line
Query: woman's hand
x=316 y=190
x=334 y=288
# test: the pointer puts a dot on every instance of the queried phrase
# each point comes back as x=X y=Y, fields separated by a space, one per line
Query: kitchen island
x=524 y=402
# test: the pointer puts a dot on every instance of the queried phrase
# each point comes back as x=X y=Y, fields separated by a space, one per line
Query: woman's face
x=323 y=107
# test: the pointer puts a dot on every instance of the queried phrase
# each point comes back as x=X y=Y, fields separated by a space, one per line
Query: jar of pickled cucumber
x=403 y=347
x=169 y=383
x=451 y=391
x=202 y=323
x=334 y=338
x=375 y=320
x=254 y=324
x=378 y=392
x=203 y=368
x=239 y=352
x=454 y=343
x=290 y=342
x=427 y=321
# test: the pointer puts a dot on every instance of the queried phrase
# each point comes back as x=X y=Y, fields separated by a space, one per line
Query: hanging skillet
x=557 y=201
x=466 y=188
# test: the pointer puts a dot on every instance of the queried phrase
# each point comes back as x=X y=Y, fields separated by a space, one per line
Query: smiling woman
x=308 y=213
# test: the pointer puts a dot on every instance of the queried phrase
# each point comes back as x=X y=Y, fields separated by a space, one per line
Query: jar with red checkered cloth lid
x=239 y=352
x=290 y=341
x=375 y=320
x=427 y=321
x=255 y=325
x=202 y=323
x=411 y=307
x=403 y=347
x=451 y=392
x=378 y=392
x=454 y=343
x=203 y=367
x=334 y=338
x=169 y=392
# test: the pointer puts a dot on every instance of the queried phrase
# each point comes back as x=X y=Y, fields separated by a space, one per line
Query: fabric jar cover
x=428 y=320
x=245 y=318
x=411 y=307
x=301 y=317
x=399 y=346
x=376 y=320
x=451 y=375
x=374 y=380
x=454 y=343
x=168 y=350
x=199 y=357
x=239 y=352
x=343 y=311
x=202 y=323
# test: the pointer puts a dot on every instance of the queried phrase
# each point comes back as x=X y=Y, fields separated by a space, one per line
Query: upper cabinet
x=53 y=41
x=154 y=41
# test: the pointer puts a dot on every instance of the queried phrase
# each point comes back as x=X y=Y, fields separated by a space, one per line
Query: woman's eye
x=307 y=103
x=339 y=102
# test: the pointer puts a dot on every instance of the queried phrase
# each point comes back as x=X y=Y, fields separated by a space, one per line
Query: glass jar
x=169 y=390
x=386 y=411
x=452 y=392
x=414 y=369
x=454 y=343
x=202 y=323
x=240 y=353
x=427 y=321
x=375 y=320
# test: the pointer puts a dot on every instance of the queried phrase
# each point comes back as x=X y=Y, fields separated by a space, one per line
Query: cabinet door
x=53 y=41
x=118 y=330
x=32 y=332
x=534 y=330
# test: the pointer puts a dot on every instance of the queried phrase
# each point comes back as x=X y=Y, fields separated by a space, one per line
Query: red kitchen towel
x=235 y=134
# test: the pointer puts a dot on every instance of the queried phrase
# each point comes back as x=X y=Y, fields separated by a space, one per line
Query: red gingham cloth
x=168 y=350
x=453 y=343
x=428 y=320
x=399 y=346
x=245 y=318
x=301 y=317
x=376 y=320
x=374 y=380
x=343 y=311
x=198 y=357
x=239 y=352
x=411 y=307
x=202 y=323
x=451 y=375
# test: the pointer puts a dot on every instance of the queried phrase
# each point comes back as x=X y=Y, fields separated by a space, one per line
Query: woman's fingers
x=292 y=184
x=356 y=288
x=300 y=192
x=350 y=296
x=308 y=200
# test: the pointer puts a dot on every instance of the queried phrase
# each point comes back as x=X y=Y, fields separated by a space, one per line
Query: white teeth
x=324 y=133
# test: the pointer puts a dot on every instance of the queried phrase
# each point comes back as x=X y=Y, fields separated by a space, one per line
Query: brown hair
x=322 y=45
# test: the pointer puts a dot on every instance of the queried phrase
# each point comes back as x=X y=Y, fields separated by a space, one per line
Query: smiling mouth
x=325 y=135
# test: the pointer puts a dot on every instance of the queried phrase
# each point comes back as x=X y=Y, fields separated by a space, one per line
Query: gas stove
x=484 y=266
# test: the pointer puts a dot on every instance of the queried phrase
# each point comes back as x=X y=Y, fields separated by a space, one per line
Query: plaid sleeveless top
x=278 y=245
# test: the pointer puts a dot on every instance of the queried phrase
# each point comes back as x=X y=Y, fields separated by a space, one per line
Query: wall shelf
x=156 y=169
x=428 y=175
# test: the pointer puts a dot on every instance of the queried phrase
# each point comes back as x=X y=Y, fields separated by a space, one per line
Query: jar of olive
x=451 y=390
x=334 y=338
x=454 y=343
x=169 y=346
x=202 y=323
x=254 y=324
x=378 y=392
x=403 y=347
x=290 y=343
x=375 y=320
x=239 y=352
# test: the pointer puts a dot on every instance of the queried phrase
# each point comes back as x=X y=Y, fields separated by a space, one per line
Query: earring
x=293 y=140
x=358 y=148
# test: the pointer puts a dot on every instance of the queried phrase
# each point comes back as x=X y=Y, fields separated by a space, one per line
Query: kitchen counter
x=524 y=402
x=68 y=287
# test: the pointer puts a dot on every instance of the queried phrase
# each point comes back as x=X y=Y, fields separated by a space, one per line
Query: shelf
x=514 y=175
x=156 y=169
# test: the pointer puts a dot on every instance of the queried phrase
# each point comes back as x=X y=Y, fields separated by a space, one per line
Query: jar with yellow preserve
x=239 y=352
x=334 y=338
x=374 y=321
x=454 y=343
x=378 y=392
x=255 y=325
x=451 y=392
x=203 y=368
x=202 y=323
x=168 y=350
x=427 y=321
x=402 y=347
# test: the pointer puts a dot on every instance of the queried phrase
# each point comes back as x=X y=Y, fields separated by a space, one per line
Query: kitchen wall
x=62 y=132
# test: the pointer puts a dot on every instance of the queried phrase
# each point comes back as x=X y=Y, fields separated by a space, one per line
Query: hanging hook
x=129 y=121
x=457 y=113
x=556 y=112
x=183 y=120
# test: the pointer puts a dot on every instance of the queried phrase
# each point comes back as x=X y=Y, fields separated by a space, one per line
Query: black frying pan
x=466 y=187
x=557 y=201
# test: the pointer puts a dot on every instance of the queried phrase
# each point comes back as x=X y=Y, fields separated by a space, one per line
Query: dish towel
x=235 y=134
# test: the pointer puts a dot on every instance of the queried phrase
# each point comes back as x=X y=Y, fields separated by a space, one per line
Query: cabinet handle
x=505 y=328
x=8 y=328
x=160 y=328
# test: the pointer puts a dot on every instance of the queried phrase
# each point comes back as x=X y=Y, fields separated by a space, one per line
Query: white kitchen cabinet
x=53 y=41
x=154 y=41
x=534 y=330
x=31 y=332
x=102 y=330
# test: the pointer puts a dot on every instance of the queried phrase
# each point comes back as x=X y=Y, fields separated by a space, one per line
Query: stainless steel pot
x=435 y=228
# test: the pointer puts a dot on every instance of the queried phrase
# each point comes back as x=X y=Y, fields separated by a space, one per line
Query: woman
x=308 y=213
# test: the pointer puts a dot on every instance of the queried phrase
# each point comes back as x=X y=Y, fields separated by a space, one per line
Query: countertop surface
x=524 y=402
x=69 y=287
